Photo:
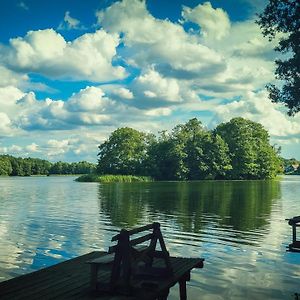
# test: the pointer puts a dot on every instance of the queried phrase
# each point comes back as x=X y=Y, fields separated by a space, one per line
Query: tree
x=165 y=158
x=252 y=156
x=205 y=154
x=189 y=136
x=123 y=153
x=5 y=165
x=282 y=17
x=216 y=156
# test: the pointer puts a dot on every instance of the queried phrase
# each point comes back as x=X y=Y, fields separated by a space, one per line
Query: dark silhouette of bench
x=295 y=245
x=134 y=263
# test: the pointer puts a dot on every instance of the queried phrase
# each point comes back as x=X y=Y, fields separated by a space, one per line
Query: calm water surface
x=239 y=228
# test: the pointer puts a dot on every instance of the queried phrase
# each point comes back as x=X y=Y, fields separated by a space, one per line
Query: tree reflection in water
x=192 y=206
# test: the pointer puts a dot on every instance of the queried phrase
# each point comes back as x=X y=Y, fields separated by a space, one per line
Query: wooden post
x=294 y=233
x=123 y=243
x=182 y=289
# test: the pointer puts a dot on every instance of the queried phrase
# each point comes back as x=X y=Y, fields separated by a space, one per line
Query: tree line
x=238 y=149
x=17 y=166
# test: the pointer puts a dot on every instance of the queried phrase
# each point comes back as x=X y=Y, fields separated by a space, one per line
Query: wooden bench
x=295 y=245
x=130 y=258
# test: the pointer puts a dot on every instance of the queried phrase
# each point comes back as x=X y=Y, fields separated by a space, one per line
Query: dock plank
x=71 y=280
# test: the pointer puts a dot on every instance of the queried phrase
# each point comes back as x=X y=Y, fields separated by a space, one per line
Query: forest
x=17 y=166
x=238 y=149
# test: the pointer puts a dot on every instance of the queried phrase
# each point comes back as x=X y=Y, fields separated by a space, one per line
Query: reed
x=112 y=178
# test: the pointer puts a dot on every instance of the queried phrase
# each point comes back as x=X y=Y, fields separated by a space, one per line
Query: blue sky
x=73 y=71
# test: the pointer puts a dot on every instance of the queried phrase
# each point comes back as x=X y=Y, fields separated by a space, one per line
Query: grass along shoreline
x=112 y=178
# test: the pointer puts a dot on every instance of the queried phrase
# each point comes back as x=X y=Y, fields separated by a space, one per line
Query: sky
x=73 y=71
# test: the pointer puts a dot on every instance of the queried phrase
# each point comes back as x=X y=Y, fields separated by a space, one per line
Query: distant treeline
x=238 y=149
x=17 y=166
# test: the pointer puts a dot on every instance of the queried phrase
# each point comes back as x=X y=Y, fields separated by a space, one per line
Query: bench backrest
x=127 y=254
x=126 y=236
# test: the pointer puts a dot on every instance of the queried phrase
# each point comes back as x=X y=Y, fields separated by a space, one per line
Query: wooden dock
x=71 y=280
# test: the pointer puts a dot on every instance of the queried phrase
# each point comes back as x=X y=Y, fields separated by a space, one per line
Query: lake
x=239 y=228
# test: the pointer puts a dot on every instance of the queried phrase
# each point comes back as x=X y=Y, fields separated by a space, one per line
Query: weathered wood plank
x=70 y=280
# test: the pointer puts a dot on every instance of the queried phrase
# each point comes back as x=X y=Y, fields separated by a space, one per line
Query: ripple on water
x=238 y=227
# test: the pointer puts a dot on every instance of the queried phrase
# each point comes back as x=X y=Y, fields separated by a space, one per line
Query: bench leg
x=94 y=276
x=182 y=289
x=164 y=296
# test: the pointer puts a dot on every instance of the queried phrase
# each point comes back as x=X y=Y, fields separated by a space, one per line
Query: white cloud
x=32 y=148
x=8 y=98
x=88 y=107
x=89 y=57
x=159 y=42
x=258 y=108
x=5 y=125
x=13 y=149
x=11 y=78
x=176 y=74
x=158 y=112
x=123 y=93
x=214 y=23
x=155 y=86
x=88 y=99
x=69 y=23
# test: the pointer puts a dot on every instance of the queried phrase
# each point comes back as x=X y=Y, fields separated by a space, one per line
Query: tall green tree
x=189 y=135
x=123 y=153
x=282 y=17
x=166 y=158
x=5 y=165
x=205 y=154
x=251 y=154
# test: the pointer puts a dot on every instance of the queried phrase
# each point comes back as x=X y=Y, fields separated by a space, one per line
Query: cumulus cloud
x=148 y=41
x=88 y=107
x=175 y=72
x=155 y=87
x=5 y=125
x=11 y=78
x=89 y=57
x=258 y=108
x=8 y=98
x=214 y=23
x=152 y=90
x=123 y=93
x=227 y=59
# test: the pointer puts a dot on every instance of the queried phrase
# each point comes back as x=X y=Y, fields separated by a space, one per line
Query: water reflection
x=243 y=206
x=237 y=226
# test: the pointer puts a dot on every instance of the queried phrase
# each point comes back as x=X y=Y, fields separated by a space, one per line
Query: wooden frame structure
x=131 y=259
x=70 y=280
x=295 y=245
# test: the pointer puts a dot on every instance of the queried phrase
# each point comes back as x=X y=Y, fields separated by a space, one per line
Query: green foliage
x=165 y=159
x=239 y=149
x=252 y=156
x=14 y=166
x=123 y=153
x=282 y=17
x=112 y=178
x=5 y=165
x=64 y=168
